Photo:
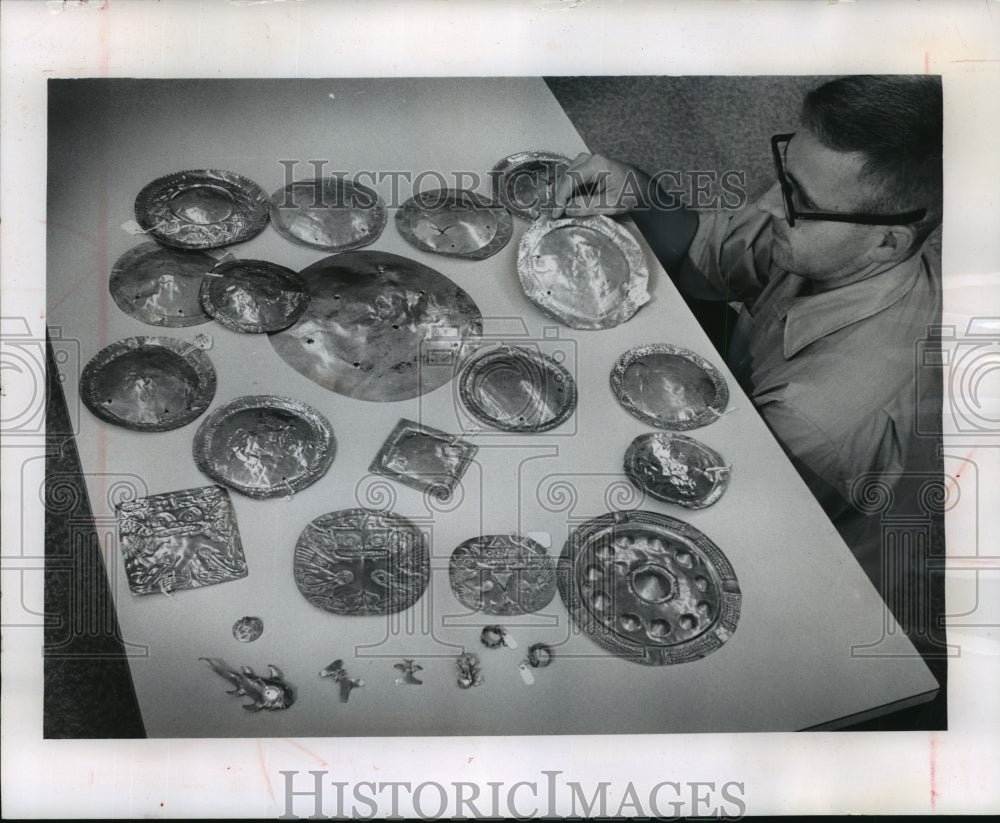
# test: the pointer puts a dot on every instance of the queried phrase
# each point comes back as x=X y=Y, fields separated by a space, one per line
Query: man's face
x=827 y=253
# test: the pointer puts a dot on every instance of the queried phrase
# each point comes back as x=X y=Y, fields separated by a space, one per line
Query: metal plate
x=380 y=327
x=180 y=540
x=676 y=469
x=264 y=446
x=522 y=182
x=516 y=389
x=649 y=588
x=148 y=384
x=455 y=223
x=161 y=286
x=586 y=272
x=332 y=213
x=202 y=209
x=424 y=458
x=253 y=296
x=502 y=574
x=669 y=387
x=361 y=562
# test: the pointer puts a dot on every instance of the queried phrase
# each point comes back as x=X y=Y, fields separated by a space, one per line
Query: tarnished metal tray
x=522 y=182
x=586 y=272
x=380 y=327
x=148 y=384
x=502 y=574
x=330 y=213
x=202 y=209
x=264 y=446
x=649 y=588
x=516 y=389
x=676 y=469
x=423 y=458
x=180 y=540
x=253 y=296
x=455 y=223
x=362 y=562
x=161 y=286
x=669 y=387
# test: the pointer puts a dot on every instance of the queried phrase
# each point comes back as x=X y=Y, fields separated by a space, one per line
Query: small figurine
x=248 y=629
x=269 y=693
x=409 y=670
x=339 y=674
x=468 y=671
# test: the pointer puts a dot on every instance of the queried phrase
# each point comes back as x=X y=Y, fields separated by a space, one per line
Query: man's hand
x=593 y=184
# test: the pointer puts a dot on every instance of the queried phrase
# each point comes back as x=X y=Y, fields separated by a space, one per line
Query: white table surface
x=805 y=601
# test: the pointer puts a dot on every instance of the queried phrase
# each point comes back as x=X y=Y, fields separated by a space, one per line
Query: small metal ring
x=492 y=637
x=540 y=655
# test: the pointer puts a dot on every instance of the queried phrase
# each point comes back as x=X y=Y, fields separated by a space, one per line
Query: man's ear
x=895 y=243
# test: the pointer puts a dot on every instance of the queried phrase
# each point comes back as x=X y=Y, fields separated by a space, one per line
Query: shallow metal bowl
x=253 y=296
x=454 y=223
x=677 y=469
x=522 y=182
x=330 y=213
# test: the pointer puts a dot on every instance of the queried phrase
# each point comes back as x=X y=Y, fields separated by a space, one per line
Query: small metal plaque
x=148 y=384
x=253 y=296
x=361 y=562
x=502 y=574
x=330 y=213
x=264 y=446
x=161 y=286
x=380 y=327
x=586 y=272
x=522 y=182
x=455 y=223
x=202 y=209
x=669 y=387
x=516 y=389
x=180 y=540
x=649 y=588
x=423 y=458
x=677 y=469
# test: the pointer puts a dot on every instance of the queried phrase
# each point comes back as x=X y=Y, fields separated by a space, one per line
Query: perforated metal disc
x=455 y=223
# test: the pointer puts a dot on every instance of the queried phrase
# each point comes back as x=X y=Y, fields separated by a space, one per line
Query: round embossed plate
x=380 y=327
x=253 y=296
x=202 y=209
x=455 y=223
x=161 y=286
x=361 y=562
x=264 y=446
x=669 y=387
x=331 y=213
x=148 y=384
x=502 y=574
x=649 y=588
x=517 y=389
x=586 y=272
x=522 y=182
x=676 y=469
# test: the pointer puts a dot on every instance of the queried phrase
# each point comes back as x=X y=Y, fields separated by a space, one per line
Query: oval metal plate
x=586 y=272
x=331 y=213
x=361 y=562
x=148 y=384
x=512 y=388
x=202 y=209
x=669 y=387
x=264 y=446
x=253 y=296
x=677 y=469
x=522 y=182
x=161 y=286
x=454 y=223
x=649 y=588
x=380 y=327
x=502 y=574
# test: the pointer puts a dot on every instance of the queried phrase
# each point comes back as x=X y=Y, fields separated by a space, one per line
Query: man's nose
x=771 y=201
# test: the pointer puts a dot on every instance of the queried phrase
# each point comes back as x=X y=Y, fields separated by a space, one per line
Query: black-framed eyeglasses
x=792 y=213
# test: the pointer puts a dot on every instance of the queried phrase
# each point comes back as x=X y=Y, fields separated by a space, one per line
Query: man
x=837 y=272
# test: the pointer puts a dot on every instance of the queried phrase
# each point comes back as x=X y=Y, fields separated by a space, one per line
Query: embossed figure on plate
x=330 y=213
x=423 y=458
x=676 y=469
x=361 y=562
x=523 y=182
x=502 y=574
x=180 y=540
x=253 y=296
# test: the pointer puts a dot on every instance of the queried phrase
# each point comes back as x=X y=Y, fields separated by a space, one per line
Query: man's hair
x=895 y=121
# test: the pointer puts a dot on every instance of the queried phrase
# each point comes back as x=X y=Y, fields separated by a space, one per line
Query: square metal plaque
x=424 y=458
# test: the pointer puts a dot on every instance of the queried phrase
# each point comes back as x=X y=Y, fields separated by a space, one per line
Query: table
x=814 y=646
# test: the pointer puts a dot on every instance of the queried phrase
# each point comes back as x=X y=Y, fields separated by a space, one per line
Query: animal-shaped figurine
x=269 y=693
x=409 y=670
x=339 y=674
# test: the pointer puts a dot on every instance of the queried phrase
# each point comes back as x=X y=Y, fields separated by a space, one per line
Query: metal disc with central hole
x=502 y=574
x=380 y=327
x=649 y=588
